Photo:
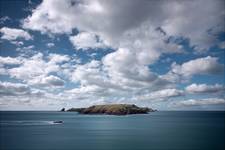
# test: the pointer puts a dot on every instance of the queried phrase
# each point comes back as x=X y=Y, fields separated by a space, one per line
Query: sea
x=161 y=130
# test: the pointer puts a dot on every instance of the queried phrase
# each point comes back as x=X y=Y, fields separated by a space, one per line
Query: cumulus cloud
x=36 y=69
x=13 y=89
x=85 y=40
x=200 y=102
x=10 y=61
x=138 y=39
x=111 y=20
x=91 y=74
x=50 y=80
x=120 y=74
x=17 y=95
x=160 y=95
x=39 y=86
x=3 y=71
x=56 y=58
x=185 y=23
x=85 y=90
x=14 y=34
x=205 y=65
x=99 y=80
x=49 y=45
x=25 y=48
x=32 y=67
x=125 y=64
x=53 y=80
x=204 y=88
x=200 y=66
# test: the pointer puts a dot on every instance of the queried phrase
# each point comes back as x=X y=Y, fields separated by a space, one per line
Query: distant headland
x=112 y=109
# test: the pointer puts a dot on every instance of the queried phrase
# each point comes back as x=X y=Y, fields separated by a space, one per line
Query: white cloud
x=54 y=81
x=200 y=66
x=36 y=69
x=14 y=34
x=31 y=68
x=166 y=93
x=3 y=71
x=140 y=38
x=183 y=22
x=104 y=80
x=25 y=48
x=160 y=95
x=204 y=88
x=56 y=58
x=201 y=102
x=17 y=96
x=50 y=80
x=91 y=89
x=94 y=73
x=85 y=40
x=10 y=60
x=49 y=45
x=13 y=89
x=111 y=20
x=205 y=65
x=123 y=66
x=90 y=74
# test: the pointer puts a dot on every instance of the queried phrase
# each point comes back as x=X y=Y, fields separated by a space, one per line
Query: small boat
x=58 y=121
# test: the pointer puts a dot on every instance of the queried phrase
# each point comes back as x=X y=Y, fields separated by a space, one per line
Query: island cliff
x=113 y=109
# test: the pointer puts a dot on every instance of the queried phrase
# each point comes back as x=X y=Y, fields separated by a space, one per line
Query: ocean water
x=162 y=130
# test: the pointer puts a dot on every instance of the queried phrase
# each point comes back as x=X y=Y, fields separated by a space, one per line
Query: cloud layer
x=14 y=34
x=197 y=102
x=204 y=88
x=113 y=51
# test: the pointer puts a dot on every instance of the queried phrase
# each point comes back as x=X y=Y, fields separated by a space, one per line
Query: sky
x=167 y=55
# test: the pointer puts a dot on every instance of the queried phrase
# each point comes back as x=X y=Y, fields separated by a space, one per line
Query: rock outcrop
x=63 y=109
x=113 y=109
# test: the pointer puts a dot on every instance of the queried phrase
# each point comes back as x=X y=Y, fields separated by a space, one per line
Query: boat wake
x=29 y=123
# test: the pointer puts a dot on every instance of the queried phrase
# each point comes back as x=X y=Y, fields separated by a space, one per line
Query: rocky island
x=113 y=109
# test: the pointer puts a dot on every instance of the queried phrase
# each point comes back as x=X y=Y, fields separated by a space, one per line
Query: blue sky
x=169 y=56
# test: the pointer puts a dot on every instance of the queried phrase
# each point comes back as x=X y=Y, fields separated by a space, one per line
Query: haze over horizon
x=77 y=53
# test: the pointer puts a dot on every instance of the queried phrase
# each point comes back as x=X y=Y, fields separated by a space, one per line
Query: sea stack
x=63 y=109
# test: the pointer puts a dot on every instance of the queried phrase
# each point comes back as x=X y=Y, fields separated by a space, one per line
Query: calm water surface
x=166 y=130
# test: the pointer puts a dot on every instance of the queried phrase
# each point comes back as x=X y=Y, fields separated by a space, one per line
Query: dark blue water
x=154 y=131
